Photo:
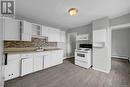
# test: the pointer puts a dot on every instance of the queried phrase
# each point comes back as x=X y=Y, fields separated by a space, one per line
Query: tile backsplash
x=36 y=42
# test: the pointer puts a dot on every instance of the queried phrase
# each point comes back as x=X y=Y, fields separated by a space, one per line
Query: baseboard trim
x=120 y=57
x=69 y=57
x=105 y=71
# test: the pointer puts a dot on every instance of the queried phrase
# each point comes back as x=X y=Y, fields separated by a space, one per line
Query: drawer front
x=26 y=55
x=81 y=56
x=47 y=53
x=39 y=53
x=82 y=64
x=11 y=57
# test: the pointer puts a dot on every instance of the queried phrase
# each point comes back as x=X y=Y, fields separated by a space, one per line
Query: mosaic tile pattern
x=36 y=42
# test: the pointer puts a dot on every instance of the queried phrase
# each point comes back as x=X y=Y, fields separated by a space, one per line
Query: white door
x=27 y=66
x=38 y=62
x=11 y=29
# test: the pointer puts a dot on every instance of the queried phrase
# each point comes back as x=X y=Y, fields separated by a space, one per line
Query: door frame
x=68 y=43
x=116 y=27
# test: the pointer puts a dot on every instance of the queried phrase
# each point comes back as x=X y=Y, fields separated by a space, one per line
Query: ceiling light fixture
x=72 y=11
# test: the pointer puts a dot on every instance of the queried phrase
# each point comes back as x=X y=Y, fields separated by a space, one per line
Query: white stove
x=83 y=57
x=82 y=50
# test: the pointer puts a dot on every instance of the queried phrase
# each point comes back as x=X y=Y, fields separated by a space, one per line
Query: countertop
x=28 y=50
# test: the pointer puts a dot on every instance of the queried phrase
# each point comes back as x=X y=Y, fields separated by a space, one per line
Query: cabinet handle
x=6 y=56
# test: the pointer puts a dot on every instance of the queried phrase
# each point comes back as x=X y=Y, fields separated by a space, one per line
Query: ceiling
x=54 y=13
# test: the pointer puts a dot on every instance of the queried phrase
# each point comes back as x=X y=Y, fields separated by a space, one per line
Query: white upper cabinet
x=82 y=37
x=11 y=29
x=36 y=30
x=62 y=36
x=52 y=34
x=26 y=31
x=45 y=31
x=26 y=27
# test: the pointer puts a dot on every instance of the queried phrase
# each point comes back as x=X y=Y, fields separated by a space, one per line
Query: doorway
x=71 y=44
x=121 y=43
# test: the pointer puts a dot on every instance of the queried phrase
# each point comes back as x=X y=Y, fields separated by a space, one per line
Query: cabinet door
x=12 y=70
x=62 y=36
x=57 y=32
x=56 y=57
x=44 y=31
x=51 y=35
x=37 y=62
x=26 y=27
x=60 y=54
x=11 y=29
x=47 y=61
x=26 y=37
x=26 y=33
x=36 y=30
x=27 y=66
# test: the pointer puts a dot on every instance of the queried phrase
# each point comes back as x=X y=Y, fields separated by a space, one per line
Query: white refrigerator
x=1 y=54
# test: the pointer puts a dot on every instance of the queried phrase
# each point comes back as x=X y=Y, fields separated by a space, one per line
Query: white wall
x=124 y=19
x=87 y=29
x=102 y=56
x=121 y=42
x=1 y=52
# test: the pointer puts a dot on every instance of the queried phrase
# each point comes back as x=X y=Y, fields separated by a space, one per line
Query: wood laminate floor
x=70 y=75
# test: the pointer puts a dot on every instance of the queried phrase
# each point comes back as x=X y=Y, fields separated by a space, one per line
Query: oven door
x=82 y=56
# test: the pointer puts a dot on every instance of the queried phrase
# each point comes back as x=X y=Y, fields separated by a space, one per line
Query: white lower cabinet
x=47 y=60
x=23 y=64
x=38 y=62
x=53 y=58
x=26 y=64
x=12 y=67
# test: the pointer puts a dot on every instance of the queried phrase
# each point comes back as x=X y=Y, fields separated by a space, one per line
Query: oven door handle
x=81 y=52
